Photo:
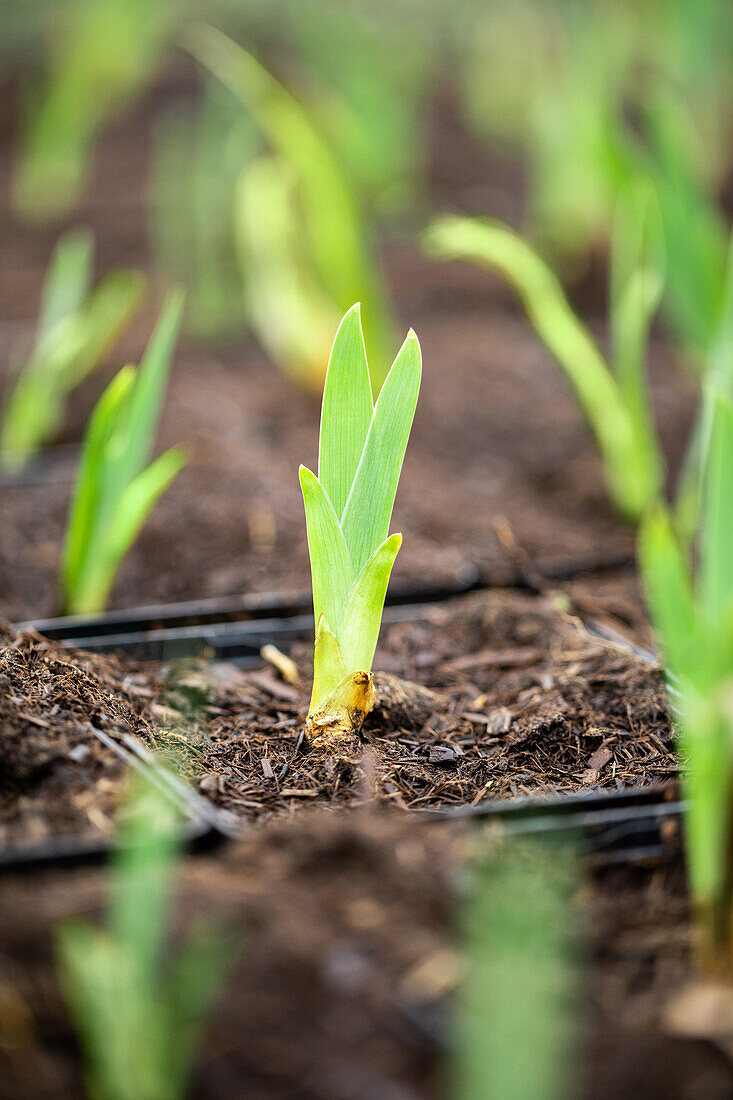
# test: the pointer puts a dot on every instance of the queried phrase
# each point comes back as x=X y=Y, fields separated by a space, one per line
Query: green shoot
x=516 y=1011
x=613 y=399
x=77 y=327
x=115 y=491
x=331 y=235
x=692 y=610
x=101 y=53
x=348 y=508
x=718 y=370
x=694 y=227
x=198 y=159
x=368 y=70
x=140 y=1010
x=286 y=306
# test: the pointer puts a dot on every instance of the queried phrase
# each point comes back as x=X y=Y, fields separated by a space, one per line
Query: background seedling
x=115 y=490
x=690 y=596
x=693 y=227
x=331 y=233
x=139 y=1008
x=577 y=103
x=348 y=508
x=101 y=53
x=76 y=328
x=516 y=1013
x=199 y=155
x=614 y=399
x=285 y=303
x=368 y=71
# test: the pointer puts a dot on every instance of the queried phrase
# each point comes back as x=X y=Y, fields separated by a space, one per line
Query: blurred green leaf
x=618 y=415
x=100 y=54
x=332 y=228
x=77 y=329
x=517 y=1009
x=140 y=1008
x=114 y=492
x=290 y=313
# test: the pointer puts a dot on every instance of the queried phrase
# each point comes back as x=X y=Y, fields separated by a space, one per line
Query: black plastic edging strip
x=603 y=831
x=228 y=641
x=81 y=851
x=225 y=610
x=611 y=834
x=270 y=605
x=584 y=802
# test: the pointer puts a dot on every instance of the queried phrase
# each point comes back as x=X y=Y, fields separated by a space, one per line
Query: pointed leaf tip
x=346 y=412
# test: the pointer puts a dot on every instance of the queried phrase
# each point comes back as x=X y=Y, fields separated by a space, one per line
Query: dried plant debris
x=349 y=962
x=342 y=932
x=491 y=696
x=516 y=698
x=56 y=774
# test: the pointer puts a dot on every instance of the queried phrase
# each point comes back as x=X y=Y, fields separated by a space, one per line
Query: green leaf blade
x=68 y=280
x=346 y=412
x=125 y=524
x=548 y=309
x=622 y=427
x=368 y=509
x=331 y=568
x=115 y=492
x=82 y=535
x=329 y=667
x=146 y=399
x=716 y=559
x=665 y=574
x=358 y=630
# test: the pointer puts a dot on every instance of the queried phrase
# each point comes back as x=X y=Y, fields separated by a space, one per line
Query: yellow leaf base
x=341 y=714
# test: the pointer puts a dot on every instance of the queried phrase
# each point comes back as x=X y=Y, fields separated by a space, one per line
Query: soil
x=508 y=694
x=500 y=469
x=346 y=966
x=348 y=962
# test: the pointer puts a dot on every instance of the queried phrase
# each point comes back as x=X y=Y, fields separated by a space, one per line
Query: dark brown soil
x=56 y=775
x=349 y=959
x=348 y=964
x=497 y=446
x=515 y=697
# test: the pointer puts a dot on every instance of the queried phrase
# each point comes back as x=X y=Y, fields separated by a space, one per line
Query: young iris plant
x=115 y=490
x=139 y=1010
x=348 y=508
x=101 y=53
x=613 y=398
x=314 y=214
x=286 y=305
x=517 y=1005
x=199 y=155
x=692 y=610
x=693 y=225
x=77 y=326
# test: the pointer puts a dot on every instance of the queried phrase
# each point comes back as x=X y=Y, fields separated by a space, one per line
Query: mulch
x=490 y=696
